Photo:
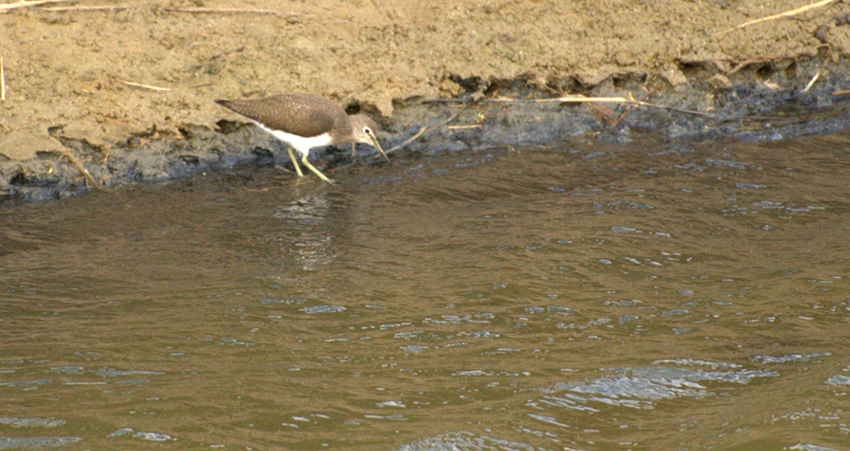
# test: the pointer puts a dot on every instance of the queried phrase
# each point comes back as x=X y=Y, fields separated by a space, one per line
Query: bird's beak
x=378 y=146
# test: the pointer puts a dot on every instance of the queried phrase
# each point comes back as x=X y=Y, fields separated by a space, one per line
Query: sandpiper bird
x=305 y=121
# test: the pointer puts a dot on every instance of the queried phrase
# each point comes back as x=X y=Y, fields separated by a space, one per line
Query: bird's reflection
x=305 y=236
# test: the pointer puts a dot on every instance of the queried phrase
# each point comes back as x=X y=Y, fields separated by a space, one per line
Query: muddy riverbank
x=125 y=93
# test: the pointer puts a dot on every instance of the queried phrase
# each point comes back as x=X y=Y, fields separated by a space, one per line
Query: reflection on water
x=641 y=296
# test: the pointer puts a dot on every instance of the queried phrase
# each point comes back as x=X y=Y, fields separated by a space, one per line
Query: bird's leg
x=352 y=151
x=315 y=171
x=294 y=162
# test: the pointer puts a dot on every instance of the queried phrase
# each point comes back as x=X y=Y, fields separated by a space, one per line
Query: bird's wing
x=301 y=122
x=287 y=113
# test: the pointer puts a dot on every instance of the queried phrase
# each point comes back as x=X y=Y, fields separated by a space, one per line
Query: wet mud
x=110 y=95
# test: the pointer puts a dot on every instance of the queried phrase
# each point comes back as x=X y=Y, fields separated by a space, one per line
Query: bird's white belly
x=301 y=144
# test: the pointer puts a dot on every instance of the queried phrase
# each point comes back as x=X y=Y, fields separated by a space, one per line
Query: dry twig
x=423 y=131
x=244 y=11
x=233 y=11
x=227 y=52
x=85 y=172
x=790 y=13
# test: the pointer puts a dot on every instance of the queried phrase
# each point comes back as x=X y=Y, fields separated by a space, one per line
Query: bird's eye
x=367 y=130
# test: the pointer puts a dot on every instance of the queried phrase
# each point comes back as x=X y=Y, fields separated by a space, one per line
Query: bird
x=304 y=121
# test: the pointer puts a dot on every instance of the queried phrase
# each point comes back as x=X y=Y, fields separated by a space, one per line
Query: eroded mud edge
x=764 y=101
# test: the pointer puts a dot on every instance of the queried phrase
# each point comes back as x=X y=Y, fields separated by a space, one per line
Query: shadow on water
x=648 y=296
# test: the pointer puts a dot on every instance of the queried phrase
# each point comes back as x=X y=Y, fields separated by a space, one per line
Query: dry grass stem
x=812 y=82
x=790 y=13
x=620 y=100
x=62 y=9
x=2 y=81
x=142 y=86
x=25 y=4
x=578 y=99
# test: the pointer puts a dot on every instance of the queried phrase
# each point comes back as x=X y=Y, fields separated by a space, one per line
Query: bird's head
x=365 y=130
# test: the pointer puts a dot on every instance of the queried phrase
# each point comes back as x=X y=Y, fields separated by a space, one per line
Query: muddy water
x=641 y=296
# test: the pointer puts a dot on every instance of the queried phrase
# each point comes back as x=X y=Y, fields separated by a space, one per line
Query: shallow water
x=646 y=296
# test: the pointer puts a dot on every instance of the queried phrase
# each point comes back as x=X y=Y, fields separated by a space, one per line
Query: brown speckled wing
x=300 y=114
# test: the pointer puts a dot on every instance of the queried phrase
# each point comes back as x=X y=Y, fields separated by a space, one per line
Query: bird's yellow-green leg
x=315 y=171
x=294 y=162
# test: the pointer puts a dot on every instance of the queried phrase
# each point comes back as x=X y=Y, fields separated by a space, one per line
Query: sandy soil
x=106 y=74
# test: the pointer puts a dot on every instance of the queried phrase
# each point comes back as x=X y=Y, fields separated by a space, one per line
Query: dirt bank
x=128 y=89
